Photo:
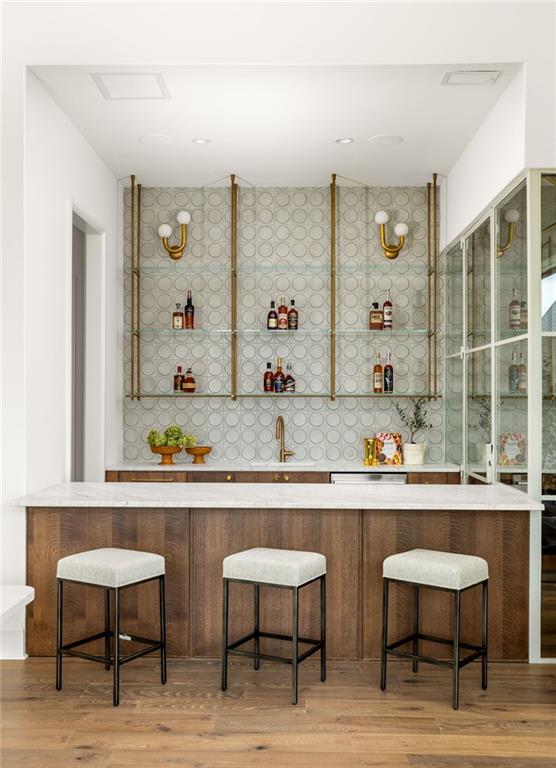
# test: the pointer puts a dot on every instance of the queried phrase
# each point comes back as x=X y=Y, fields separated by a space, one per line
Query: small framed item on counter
x=388 y=448
x=512 y=448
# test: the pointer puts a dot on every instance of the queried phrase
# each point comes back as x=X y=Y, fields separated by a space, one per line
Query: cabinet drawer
x=152 y=477
x=282 y=476
x=433 y=478
x=210 y=477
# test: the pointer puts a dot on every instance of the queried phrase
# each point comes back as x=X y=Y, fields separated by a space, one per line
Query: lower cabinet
x=283 y=476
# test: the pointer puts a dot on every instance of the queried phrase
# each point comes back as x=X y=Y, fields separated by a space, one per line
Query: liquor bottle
x=272 y=319
x=178 y=379
x=378 y=375
x=289 y=382
x=523 y=315
x=376 y=322
x=515 y=311
x=268 y=379
x=388 y=311
x=178 y=318
x=279 y=378
x=513 y=375
x=293 y=317
x=189 y=384
x=389 y=374
x=282 y=316
x=189 y=312
x=522 y=377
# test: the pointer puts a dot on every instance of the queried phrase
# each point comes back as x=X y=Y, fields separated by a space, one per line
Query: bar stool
x=112 y=570
x=284 y=569
x=450 y=573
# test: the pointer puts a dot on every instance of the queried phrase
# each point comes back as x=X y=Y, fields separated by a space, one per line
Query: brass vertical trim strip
x=434 y=283
x=233 y=281
x=333 y=288
x=473 y=319
x=429 y=284
x=137 y=320
x=133 y=279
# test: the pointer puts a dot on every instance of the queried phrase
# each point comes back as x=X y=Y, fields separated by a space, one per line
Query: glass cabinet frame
x=499 y=345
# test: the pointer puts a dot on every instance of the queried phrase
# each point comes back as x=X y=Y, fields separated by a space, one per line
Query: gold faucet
x=281 y=436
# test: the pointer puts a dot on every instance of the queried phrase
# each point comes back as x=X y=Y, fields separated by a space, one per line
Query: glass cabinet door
x=454 y=410
x=511 y=414
x=478 y=286
x=511 y=265
x=479 y=412
x=454 y=300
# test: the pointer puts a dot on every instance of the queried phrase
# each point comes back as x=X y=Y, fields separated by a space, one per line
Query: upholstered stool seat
x=286 y=567
x=447 y=571
x=112 y=570
x=110 y=567
x=436 y=569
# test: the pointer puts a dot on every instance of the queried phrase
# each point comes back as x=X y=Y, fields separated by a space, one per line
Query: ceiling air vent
x=471 y=77
x=131 y=85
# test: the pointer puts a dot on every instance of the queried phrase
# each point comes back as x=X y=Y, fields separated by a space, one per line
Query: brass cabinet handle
x=153 y=480
x=286 y=478
x=228 y=477
x=281 y=478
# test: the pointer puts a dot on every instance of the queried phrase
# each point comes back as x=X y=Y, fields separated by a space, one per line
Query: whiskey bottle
x=388 y=311
x=389 y=374
x=378 y=376
x=178 y=379
x=376 y=322
x=282 y=316
x=279 y=378
x=189 y=312
x=189 y=384
x=178 y=319
x=515 y=311
x=289 y=383
x=268 y=379
x=272 y=319
x=522 y=377
x=513 y=375
x=293 y=317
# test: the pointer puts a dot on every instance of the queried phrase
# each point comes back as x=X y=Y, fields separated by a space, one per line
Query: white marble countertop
x=273 y=466
x=287 y=496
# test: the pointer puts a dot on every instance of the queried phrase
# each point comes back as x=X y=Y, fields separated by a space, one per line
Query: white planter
x=414 y=453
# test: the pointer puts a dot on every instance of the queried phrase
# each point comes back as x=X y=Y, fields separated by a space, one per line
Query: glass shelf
x=399 y=395
x=326 y=395
x=300 y=332
x=207 y=269
x=146 y=395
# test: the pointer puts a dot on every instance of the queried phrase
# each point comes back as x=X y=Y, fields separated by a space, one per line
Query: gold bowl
x=199 y=452
x=166 y=453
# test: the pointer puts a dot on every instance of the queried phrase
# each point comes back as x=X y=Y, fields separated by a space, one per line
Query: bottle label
x=282 y=321
x=388 y=314
x=279 y=384
x=272 y=322
x=522 y=379
x=515 y=315
x=378 y=382
x=388 y=380
x=178 y=322
x=289 y=385
x=292 y=322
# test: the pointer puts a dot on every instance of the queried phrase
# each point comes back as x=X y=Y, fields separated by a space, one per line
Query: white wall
x=61 y=173
x=495 y=155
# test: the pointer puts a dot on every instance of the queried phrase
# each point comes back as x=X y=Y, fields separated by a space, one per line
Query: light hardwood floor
x=345 y=723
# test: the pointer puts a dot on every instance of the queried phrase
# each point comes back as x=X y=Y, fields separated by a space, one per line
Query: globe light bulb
x=381 y=217
x=511 y=216
x=164 y=230
x=401 y=229
x=183 y=217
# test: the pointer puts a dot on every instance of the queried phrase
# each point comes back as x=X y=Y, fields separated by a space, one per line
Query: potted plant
x=414 y=417
x=169 y=443
x=483 y=426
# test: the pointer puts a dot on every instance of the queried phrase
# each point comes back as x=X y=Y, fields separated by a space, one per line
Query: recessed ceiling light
x=131 y=85
x=156 y=139
x=386 y=139
x=344 y=140
x=201 y=141
x=471 y=77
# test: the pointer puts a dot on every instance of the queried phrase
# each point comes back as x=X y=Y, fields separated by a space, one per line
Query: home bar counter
x=194 y=526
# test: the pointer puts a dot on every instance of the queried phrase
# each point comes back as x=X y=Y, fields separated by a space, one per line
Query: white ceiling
x=276 y=125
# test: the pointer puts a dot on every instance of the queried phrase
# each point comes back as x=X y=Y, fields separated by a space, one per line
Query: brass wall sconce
x=401 y=229
x=511 y=217
x=165 y=230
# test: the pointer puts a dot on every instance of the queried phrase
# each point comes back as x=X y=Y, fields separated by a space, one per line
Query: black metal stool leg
x=484 y=675
x=224 y=684
x=295 y=642
x=416 y=629
x=323 y=628
x=256 y=595
x=457 y=624
x=107 y=628
x=59 y=623
x=385 y=585
x=116 y=647
x=162 y=608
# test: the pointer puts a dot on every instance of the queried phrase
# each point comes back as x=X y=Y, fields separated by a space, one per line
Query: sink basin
x=282 y=465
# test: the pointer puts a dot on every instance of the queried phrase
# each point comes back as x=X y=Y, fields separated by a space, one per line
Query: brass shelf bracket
x=233 y=284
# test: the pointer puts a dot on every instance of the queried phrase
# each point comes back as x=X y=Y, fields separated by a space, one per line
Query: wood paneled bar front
x=195 y=529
